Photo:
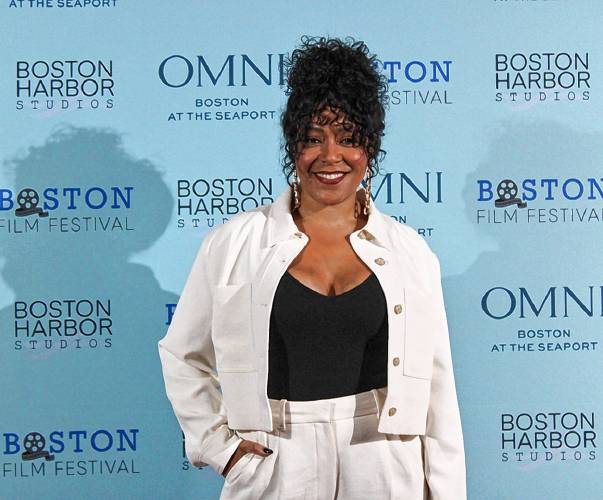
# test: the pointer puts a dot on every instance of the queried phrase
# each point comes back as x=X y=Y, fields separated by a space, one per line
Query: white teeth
x=330 y=176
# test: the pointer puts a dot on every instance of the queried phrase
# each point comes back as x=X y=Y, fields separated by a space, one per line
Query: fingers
x=254 y=447
x=244 y=447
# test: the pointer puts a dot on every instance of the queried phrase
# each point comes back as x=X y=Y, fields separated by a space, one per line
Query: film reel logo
x=34 y=444
x=28 y=200
x=507 y=194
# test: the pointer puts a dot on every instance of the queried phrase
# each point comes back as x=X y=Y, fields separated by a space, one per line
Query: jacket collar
x=280 y=225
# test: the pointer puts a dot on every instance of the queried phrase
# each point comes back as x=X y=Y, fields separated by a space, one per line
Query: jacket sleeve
x=189 y=371
x=443 y=448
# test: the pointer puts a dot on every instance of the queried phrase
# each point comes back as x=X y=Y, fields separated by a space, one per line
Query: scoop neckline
x=347 y=292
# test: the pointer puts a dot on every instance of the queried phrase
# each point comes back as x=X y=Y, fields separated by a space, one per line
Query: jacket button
x=398 y=308
x=365 y=235
x=391 y=411
x=396 y=361
x=379 y=261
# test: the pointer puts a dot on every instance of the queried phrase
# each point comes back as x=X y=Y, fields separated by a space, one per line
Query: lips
x=330 y=177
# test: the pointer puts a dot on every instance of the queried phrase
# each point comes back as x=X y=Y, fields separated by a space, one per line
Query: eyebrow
x=336 y=125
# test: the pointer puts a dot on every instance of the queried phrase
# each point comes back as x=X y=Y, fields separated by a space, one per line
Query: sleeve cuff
x=221 y=459
x=218 y=451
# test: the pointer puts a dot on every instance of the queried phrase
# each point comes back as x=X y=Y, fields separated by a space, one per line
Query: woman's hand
x=245 y=446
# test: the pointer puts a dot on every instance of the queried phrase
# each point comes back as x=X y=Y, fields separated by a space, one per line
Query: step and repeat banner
x=131 y=128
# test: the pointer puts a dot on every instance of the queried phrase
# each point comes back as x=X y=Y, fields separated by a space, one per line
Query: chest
x=330 y=267
x=304 y=315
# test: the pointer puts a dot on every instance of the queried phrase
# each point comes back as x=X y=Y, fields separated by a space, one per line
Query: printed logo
x=418 y=82
x=65 y=85
x=62 y=4
x=63 y=325
x=542 y=77
x=78 y=452
x=507 y=195
x=28 y=200
x=32 y=210
x=549 y=311
x=557 y=200
x=205 y=75
x=208 y=202
x=558 y=437
x=34 y=444
x=402 y=189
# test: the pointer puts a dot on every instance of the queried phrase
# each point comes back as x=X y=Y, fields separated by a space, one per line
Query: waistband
x=326 y=410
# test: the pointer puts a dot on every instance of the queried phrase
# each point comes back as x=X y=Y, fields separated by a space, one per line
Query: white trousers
x=329 y=449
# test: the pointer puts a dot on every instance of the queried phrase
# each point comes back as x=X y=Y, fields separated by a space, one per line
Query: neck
x=332 y=217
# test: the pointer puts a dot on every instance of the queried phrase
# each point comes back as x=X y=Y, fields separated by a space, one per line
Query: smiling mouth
x=330 y=175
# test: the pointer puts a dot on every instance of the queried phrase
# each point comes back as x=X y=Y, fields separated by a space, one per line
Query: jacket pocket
x=419 y=333
x=232 y=332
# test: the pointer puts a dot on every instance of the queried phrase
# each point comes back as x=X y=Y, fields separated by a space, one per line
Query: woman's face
x=329 y=166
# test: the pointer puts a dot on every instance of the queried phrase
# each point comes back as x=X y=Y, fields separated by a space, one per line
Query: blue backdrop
x=131 y=128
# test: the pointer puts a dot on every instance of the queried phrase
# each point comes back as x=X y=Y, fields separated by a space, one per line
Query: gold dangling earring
x=296 y=201
x=367 y=202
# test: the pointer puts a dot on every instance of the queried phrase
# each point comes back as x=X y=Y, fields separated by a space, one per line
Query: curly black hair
x=341 y=75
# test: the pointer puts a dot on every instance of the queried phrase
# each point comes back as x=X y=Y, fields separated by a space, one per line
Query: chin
x=333 y=197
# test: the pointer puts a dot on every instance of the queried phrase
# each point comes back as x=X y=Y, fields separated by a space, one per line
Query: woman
x=309 y=356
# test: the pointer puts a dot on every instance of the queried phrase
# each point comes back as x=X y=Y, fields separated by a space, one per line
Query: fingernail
x=267 y=450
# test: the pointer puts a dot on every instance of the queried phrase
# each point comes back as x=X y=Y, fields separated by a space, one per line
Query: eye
x=311 y=140
x=348 y=140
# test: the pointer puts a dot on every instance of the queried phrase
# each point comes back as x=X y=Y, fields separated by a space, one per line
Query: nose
x=330 y=152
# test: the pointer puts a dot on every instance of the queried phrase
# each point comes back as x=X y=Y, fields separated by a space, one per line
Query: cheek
x=307 y=157
x=356 y=158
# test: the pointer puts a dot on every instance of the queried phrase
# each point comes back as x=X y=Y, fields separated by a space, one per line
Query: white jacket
x=215 y=353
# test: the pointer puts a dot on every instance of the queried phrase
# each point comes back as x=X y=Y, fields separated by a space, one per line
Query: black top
x=326 y=346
